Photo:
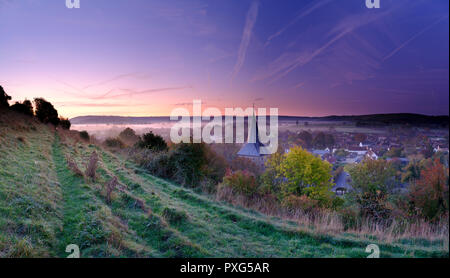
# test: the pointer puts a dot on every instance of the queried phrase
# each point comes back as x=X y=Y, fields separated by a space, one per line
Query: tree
x=430 y=195
x=322 y=140
x=428 y=150
x=372 y=176
x=319 y=141
x=152 y=142
x=329 y=140
x=26 y=107
x=45 y=111
x=412 y=171
x=129 y=136
x=271 y=179
x=341 y=153
x=4 y=98
x=373 y=181
x=306 y=137
x=304 y=174
x=360 y=137
x=394 y=152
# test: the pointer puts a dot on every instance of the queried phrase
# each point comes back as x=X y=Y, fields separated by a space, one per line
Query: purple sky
x=146 y=57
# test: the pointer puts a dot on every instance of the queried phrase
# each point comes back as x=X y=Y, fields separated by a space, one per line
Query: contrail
x=297 y=18
x=413 y=38
x=246 y=36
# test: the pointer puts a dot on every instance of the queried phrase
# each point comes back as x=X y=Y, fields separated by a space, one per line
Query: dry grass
x=109 y=187
x=92 y=166
x=330 y=222
x=74 y=167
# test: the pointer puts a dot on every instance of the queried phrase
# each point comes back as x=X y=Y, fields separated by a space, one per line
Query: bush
x=241 y=182
x=92 y=166
x=160 y=164
x=293 y=203
x=64 y=123
x=114 y=143
x=152 y=142
x=25 y=107
x=45 y=111
x=129 y=136
x=74 y=167
x=84 y=135
x=174 y=216
x=191 y=165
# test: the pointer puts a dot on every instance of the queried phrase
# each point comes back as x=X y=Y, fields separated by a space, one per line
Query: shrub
x=129 y=136
x=191 y=165
x=188 y=161
x=84 y=135
x=160 y=164
x=45 y=111
x=153 y=142
x=242 y=163
x=109 y=188
x=64 y=123
x=174 y=216
x=114 y=143
x=241 y=182
x=74 y=167
x=293 y=203
x=25 y=107
x=92 y=166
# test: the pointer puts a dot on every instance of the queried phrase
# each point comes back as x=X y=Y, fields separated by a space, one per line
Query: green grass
x=44 y=207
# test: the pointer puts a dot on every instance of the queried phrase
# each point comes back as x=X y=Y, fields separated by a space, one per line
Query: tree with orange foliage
x=430 y=195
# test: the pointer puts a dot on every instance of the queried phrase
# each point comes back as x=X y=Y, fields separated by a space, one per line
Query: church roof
x=252 y=147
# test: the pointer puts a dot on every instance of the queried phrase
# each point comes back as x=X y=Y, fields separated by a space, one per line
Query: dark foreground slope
x=44 y=207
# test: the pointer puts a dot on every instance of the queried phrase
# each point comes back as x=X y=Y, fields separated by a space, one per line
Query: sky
x=304 y=57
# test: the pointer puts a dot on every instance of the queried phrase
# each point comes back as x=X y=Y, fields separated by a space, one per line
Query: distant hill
x=361 y=120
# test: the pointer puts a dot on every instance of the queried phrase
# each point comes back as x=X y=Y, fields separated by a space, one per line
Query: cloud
x=250 y=21
x=301 y=15
x=415 y=36
x=299 y=85
x=117 y=92
x=288 y=62
x=115 y=78
x=130 y=92
x=90 y=104
x=187 y=103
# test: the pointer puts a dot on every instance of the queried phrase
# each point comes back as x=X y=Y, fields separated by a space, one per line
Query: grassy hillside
x=44 y=206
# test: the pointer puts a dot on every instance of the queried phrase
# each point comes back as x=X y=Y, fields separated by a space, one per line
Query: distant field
x=325 y=126
x=44 y=207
